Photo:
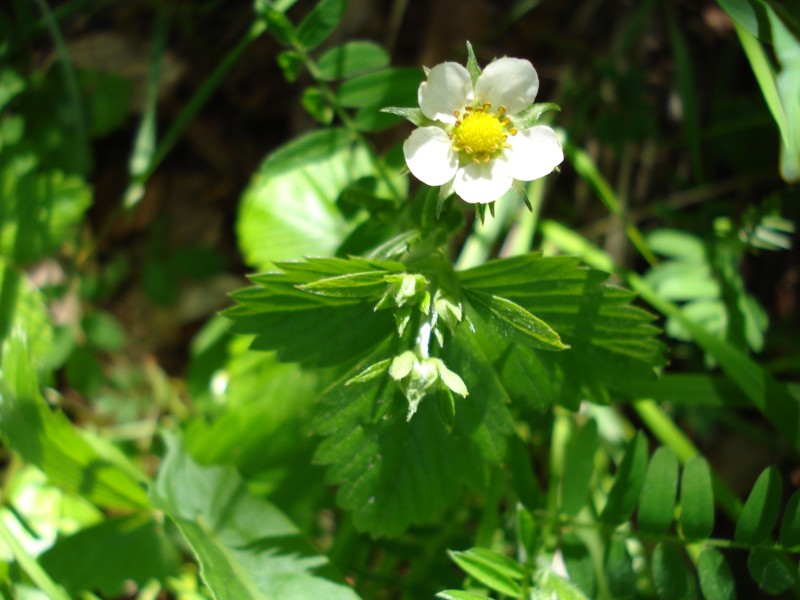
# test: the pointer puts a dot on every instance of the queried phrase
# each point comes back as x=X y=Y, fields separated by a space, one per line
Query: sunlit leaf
x=352 y=58
x=486 y=571
x=246 y=547
x=47 y=439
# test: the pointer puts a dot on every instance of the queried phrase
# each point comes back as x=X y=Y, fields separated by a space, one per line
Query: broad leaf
x=657 y=503
x=628 y=482
x=128 y=548
x=761 y=509
x=393 y=472
x=352 y=58
x=390 y=87
x=46 y=439
x=246 y=547
x=697 y=499
x=289 y=209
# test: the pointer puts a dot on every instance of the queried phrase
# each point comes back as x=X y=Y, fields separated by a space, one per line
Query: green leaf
x=499 y=563
x=389 y=87
x=618 y=569
x=672 y=578
x=554 y=586
x=580 y=564
x=578 y=468
x=460 y=595
x=486 y=573
x=11 y=85
x=772 y=571
x=320 y=23
x=352 y=58
x=628 y=483
x=246 y=547
x=761 y=509
x=371 y=284
x=41 y=209
x=716 y=579
x=291 y=63
x=697 y=499
x=657 y=503
x=373 y=453
x=22 y=308
x=128 y=549
x=514 y=322
x=308 y=327
x=289 y=208
x=750 y=15
x=414 y=115
x=48 y=440
x=316 y=104
x=610 y=340
x=790 y=526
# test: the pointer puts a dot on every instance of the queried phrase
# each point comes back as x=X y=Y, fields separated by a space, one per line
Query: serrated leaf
x=772 y=571
x=389 y=87
x=373 y=453
x=610 y=340
x=48 y=440
x=514 y=322
x=697 y=499
x=353 y=58
x=308 y=327
x=672 y=578
x=716 y=579
x=657 y=503
x=246 y=547
x=790 y=526
x=73 y=561
x=486 y=573
x=628 y=482
x=320 y=23
x=371 y=284
x=761 y=509
x=578 y=468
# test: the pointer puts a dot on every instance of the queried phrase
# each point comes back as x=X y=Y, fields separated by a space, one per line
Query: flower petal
x=509 y=82
x=534 y=153
x=448 y=88
x=483 y=182
x=429 y=157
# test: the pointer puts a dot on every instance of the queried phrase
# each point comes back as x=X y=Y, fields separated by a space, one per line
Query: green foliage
x=246 y=547
x=406 y=375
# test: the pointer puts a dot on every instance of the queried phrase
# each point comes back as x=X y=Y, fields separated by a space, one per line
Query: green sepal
x=414 y=115
x=371 y=372
x=473 y=68
x=531 y=115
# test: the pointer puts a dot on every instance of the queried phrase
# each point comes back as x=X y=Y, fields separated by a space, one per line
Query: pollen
x=480 y=131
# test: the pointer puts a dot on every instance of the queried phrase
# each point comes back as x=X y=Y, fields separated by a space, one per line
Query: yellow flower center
x=481 y=134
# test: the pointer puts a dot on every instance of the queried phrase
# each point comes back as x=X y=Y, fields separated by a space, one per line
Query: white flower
x=474 y=141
